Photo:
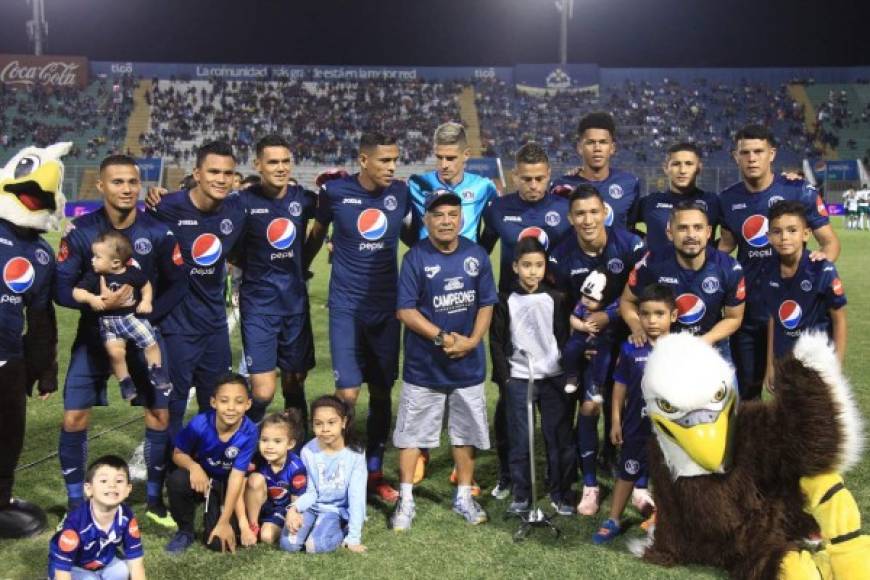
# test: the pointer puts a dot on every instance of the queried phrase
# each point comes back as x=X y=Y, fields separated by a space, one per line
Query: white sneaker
x=403 y=516
x=588 y=505
x=642 y=501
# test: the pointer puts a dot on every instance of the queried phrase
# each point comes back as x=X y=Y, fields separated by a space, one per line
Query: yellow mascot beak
x=35 y=191
x=705 y=440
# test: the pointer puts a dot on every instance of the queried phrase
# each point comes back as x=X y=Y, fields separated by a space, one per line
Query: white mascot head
x=30 y=187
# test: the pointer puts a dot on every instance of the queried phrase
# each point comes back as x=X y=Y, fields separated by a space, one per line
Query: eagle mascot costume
x=31 y=202
x=741 y=486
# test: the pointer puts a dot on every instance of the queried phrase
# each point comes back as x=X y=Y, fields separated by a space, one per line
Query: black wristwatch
x=439 y=338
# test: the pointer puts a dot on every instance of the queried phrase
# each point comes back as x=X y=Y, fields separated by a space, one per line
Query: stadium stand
x=842 y=117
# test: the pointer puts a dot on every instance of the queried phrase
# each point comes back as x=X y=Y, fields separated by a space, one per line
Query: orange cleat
x=475 y=488
x=420 y=469
x=379 y=487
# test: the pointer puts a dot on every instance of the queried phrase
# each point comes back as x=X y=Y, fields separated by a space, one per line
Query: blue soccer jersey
x=510 y=218
x=291 y=480
x=629 y=371
x=365 y=237
x=475 y=191
x=273 y=281
x=28 y=274
x=744 y=214
x=620 y=190
x=448 y=290
x=700 y=294
x=79 y=541
x=571 y=264
x=204 y=240
x=200 y=440
x=655 y=212
x=800 y=303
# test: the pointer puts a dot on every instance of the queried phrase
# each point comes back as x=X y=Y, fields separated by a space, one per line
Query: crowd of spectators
x=324 y=120
x=94 y=119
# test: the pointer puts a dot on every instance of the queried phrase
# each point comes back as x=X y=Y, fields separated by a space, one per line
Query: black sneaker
x=128 y=389
x=179 y=543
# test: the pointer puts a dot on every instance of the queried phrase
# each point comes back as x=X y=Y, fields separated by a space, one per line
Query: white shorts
x=421 y=415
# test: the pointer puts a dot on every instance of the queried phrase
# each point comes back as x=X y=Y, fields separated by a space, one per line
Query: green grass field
x=441 y=545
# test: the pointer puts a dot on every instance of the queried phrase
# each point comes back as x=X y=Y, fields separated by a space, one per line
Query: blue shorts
x=273 y=514
x=632 y=459
x=282 y=341
x=85 y=384
x=198 y=361
x=364 y=347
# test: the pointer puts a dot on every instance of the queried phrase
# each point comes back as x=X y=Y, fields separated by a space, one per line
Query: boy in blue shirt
x=631 y=428
x=212 y=454
x=799 y=294
x=86 y=544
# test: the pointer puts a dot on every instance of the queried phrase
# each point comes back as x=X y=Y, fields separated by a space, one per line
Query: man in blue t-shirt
x=682 y=166
x=744 y=207
x=708 y=285
x=367 y=212
x=475 y=191
x=619 y=189
x=446 y=297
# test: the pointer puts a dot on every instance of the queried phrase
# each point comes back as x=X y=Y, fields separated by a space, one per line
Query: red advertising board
x=53 y=71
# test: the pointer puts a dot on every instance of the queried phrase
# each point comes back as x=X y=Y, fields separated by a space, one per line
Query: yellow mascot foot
x=800 y=566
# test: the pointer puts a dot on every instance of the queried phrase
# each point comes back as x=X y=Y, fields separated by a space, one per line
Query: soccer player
x=529 y=212
x=708 y=284
x=744 y=208
x=445 y=300
x=273 y=298
x=367 y=211
x=682 y=167
x=619 y=190
x=799 y=294
x=451 y=154
x=207 y=222
x=863 y=196
x=593 y=246
x=850 y=203
x=153 y=250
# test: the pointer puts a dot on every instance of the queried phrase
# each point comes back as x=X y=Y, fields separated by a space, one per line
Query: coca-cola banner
x=55 y=71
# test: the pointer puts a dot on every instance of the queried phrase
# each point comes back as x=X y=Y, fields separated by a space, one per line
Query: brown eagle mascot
x=31 y=202
x=735 y=485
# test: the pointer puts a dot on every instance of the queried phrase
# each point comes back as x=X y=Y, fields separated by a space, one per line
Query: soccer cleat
x=158 y=514
x=179 y=543
x=501 y=491
x=470 y=510
x=563 y=508
x=403 y=516
x=642 y=501
x=606 y=533
x=519 y=507
x=475 y=488
x=588 y=505
x=379 y=487
x=420 y=468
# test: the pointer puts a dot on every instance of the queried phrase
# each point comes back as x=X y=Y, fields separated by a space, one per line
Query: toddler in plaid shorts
x=112 y=270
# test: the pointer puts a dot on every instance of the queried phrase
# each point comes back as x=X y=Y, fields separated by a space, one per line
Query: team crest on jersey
x=42 y=256
x=391 y=203
x=790 y=314
x=552 y=219
x=774 y=199
x=281 y=233
x=18 y=274
x=615 y=191
x=431 y=271
x=690 y=309
x=806 y=285
x=754 y=230
x=371 y=224
x=471 y=265
x=295 y=208
x=142 y=246
x=206 y=249
x=226 y=226
x=537 y=233
x=608 y=215
x=615 y=265
x=231 y=452
x=710 y=285
x=632 y=466
x=467 y=195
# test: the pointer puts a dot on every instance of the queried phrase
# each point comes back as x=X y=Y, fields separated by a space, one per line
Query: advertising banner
x=53 y=71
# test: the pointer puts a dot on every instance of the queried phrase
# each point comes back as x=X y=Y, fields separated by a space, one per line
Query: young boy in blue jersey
x=332 y=511
x=531 y=321
x=111 y=269
x=85 y=547
x=278 y=478
x=799 y=294
x=212 y=453
x=630 y=428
